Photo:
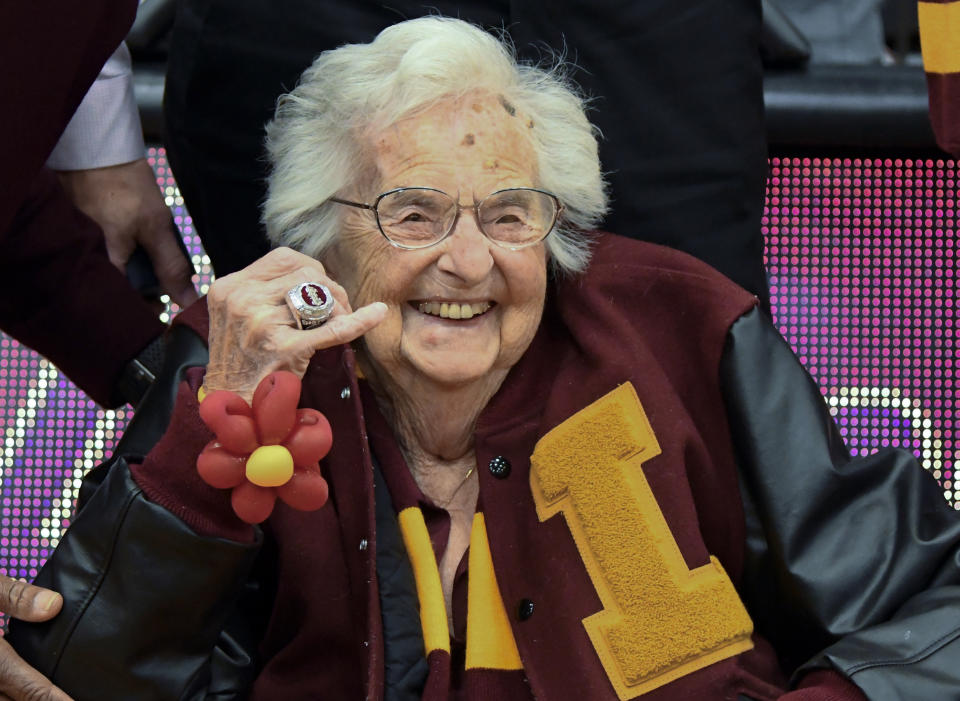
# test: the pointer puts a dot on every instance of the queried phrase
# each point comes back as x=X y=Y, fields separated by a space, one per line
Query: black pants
x=677 y=88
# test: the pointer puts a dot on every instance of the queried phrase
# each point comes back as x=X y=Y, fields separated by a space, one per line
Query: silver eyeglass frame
x=460 y=207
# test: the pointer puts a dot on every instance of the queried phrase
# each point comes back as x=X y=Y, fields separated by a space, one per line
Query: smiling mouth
x=454 y=310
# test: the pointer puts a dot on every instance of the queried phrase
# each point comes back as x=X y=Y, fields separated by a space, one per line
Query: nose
x=466 y=251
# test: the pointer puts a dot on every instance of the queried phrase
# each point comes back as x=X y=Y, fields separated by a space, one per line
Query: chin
x=453 y=369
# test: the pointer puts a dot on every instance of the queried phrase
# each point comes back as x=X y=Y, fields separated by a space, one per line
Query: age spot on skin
x=491 y=164
x=468 y=140
x=511 y=110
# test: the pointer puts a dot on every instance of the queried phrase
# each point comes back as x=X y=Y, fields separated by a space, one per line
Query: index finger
x=344 y=328
x=28 y=602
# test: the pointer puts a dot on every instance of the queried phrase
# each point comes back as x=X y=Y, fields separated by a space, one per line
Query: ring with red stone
x=311 y=304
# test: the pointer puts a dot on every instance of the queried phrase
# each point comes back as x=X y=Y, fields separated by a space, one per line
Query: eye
x=505 y=217
x=409 y=216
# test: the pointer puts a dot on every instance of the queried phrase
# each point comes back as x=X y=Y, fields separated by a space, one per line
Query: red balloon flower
x=265 y=451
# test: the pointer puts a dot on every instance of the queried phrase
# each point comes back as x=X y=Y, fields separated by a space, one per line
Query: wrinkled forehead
x=471 y=144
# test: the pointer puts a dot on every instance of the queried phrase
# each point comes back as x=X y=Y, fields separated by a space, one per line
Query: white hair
x=317 y=142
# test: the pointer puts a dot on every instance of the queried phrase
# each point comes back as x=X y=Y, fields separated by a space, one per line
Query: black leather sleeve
x=851 y=563
x=145 y=600
x=150 y=607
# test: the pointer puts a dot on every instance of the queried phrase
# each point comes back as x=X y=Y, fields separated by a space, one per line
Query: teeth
x=452 y=310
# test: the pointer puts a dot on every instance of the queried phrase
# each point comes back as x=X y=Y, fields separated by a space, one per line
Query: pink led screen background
x=52 y=434
x=862 y=260
x=862 y=257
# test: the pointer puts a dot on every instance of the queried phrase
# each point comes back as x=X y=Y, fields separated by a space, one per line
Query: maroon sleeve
x=944 y=89
x=168 y=475
x=941 y=61
x=825 y=685
x=51 y=53
x=60 y=295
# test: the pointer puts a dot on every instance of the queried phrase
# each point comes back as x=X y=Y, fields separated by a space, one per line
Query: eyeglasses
x=420 y=217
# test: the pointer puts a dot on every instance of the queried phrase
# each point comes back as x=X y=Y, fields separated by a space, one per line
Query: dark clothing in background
x=59 y=293
x=678 y=91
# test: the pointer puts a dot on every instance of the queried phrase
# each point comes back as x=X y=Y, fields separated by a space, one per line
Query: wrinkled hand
x=127 y=204
x=252 y=331
x=18 y=680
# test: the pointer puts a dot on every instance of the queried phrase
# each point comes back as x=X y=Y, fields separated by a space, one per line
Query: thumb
x=28 y=602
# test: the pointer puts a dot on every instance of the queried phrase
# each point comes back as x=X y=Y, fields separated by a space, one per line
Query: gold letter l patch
x=660 y=620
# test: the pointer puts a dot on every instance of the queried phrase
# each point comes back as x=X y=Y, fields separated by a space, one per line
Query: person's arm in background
x=940 y=43
x=101 y=164
x=59 y=293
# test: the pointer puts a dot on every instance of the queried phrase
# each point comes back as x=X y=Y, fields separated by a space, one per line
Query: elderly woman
x=564 y=465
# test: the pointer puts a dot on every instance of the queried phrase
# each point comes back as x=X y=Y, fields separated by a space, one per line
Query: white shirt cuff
x=105 y=130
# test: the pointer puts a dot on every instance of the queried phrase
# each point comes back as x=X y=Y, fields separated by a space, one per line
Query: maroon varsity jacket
x=616 y=533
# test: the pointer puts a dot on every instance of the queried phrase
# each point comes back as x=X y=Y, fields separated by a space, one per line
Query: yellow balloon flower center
x=270 y=466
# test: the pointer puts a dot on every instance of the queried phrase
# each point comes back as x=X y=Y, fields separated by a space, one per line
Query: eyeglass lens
x=418 y=217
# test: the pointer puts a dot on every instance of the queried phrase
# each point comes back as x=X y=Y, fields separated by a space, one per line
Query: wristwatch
x=138 y=375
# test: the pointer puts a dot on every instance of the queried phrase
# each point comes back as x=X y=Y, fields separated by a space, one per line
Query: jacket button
x=500 y=467
x=525 y=609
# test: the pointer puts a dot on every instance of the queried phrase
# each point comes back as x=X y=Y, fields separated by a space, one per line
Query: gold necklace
x=449 y=499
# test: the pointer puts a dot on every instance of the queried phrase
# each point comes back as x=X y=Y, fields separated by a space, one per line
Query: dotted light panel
x=52 y=433
x=862 y=258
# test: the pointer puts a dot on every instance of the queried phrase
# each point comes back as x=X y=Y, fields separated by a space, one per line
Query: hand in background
x=127 y=204
x=18 y=680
